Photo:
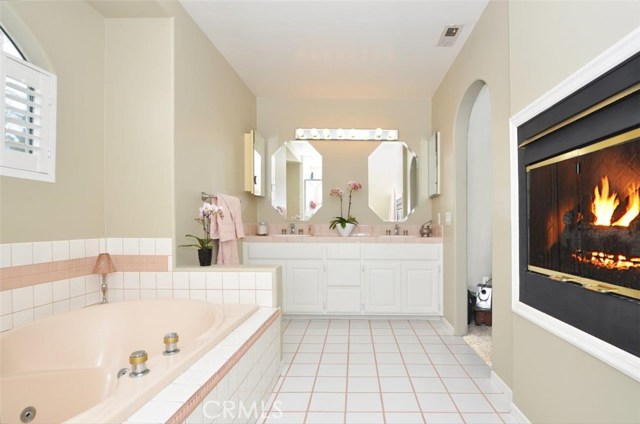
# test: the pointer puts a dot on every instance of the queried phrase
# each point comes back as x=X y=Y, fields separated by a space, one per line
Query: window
x=27 y=116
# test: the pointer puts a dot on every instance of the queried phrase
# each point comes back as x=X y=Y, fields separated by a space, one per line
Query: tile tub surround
x=242 y=369
x=45 y=278
x=377 y=371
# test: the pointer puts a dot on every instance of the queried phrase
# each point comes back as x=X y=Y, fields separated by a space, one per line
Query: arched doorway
x=473 y=194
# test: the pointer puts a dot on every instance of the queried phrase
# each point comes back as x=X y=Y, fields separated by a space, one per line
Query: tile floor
x=382 y=371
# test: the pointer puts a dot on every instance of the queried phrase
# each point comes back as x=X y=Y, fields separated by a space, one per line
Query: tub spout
x=171 y=344
x=138 y=361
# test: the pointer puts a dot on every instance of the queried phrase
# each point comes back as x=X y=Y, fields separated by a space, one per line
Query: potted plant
x=205 y=244
x=344 y=225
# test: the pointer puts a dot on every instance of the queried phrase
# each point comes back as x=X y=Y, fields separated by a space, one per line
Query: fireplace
x=584 y=216
x=579 y=208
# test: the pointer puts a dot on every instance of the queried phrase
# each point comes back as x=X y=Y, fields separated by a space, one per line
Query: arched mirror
x=296 y=180
x=393 y=181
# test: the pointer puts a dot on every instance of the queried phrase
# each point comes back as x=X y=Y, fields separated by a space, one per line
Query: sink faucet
x=292 y=228
x=396 y=230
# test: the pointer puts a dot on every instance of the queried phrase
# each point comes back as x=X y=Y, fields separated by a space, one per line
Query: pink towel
x=228 y=229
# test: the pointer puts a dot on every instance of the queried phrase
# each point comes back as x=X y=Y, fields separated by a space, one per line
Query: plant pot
x=205 y=256
x=346 y=231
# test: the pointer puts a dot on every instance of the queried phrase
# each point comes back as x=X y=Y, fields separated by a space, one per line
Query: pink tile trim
x=29 y=275
x=192 y=403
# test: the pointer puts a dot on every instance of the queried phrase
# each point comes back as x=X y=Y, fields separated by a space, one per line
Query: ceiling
x=336 y=48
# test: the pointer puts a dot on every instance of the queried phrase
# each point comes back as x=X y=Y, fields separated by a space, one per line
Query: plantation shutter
x=28 y=120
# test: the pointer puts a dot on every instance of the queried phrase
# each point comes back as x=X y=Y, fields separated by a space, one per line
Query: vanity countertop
x=294 y=238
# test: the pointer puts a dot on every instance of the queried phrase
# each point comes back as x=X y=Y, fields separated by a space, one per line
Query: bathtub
x=66 y=366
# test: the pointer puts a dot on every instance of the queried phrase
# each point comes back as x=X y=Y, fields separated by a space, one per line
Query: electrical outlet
x=439 y=219
x=447 y=218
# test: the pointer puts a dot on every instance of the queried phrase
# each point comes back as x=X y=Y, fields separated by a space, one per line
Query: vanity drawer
x=397 y=251
x=343 y=251
x=285 y=251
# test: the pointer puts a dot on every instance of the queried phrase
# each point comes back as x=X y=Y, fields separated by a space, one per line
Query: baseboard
x=504 y=387
x=448 y=325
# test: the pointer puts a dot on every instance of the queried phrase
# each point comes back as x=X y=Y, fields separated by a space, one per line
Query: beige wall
x=66 y=38
x=475 y=66
x=213 y=110
x=521 y=49
x=139 y=128
x=552 y=380
x=346 y=161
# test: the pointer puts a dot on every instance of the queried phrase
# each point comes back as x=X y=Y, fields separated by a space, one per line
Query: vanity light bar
x=377 y=134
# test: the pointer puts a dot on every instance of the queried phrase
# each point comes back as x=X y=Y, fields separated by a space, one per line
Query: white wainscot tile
x=131 y=280
x=264 y=297
x=231 y=296
x=43 y=311
x=42 y=252
x=198 y=295
x=77 y=249
x=164 y=246
x=76 y=287
x=60 y=250
x=214 y=296
x=148 y=294
x=148 y=280
x=6 y=302
x=130 y=246
x=264 y=280
x=181 y=294
x=247 y=296
x=115 y=280
x=22 y=317
x=21 y=254
x=92 y=283
x=197 y=280
x=181 y=280
x=60 y=290
x=164 y=294
x=131 y=295
x=91 y=247
x=22 y=299
x=42 y=294
x=5 y=255
x=230 y=280
x=114 y=246
x=247 y=280
x=214 y=280
x=147 y=246
x=164 y=280
x=6 y=322
x=77 y=302
x=92 y=298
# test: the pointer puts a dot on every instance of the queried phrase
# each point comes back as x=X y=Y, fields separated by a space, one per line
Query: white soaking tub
x=66 y=366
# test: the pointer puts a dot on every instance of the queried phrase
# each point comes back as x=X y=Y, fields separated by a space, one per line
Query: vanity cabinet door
x=421 y=293
x=304 y=287
x=382 y=287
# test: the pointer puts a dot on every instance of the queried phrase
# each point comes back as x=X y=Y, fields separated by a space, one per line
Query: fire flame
x=605 y=204
x=607 y=260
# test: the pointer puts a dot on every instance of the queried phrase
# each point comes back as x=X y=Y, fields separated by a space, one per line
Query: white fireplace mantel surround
x=623 y=361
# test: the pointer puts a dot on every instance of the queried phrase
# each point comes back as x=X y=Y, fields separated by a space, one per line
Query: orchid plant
x=338 y=192
x=205 y=214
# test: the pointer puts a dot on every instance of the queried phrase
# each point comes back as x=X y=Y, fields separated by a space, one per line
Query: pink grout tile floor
x=381 y=371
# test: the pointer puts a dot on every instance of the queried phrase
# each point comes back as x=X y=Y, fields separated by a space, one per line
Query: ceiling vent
x=449 y=35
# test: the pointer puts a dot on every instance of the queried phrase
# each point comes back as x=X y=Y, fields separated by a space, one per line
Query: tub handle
x=171 y=344
x=138 y=361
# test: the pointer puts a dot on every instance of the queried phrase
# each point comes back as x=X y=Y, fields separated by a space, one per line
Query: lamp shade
x=103 y=265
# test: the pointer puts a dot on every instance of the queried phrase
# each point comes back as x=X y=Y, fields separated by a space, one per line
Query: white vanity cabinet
x=355 y=278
